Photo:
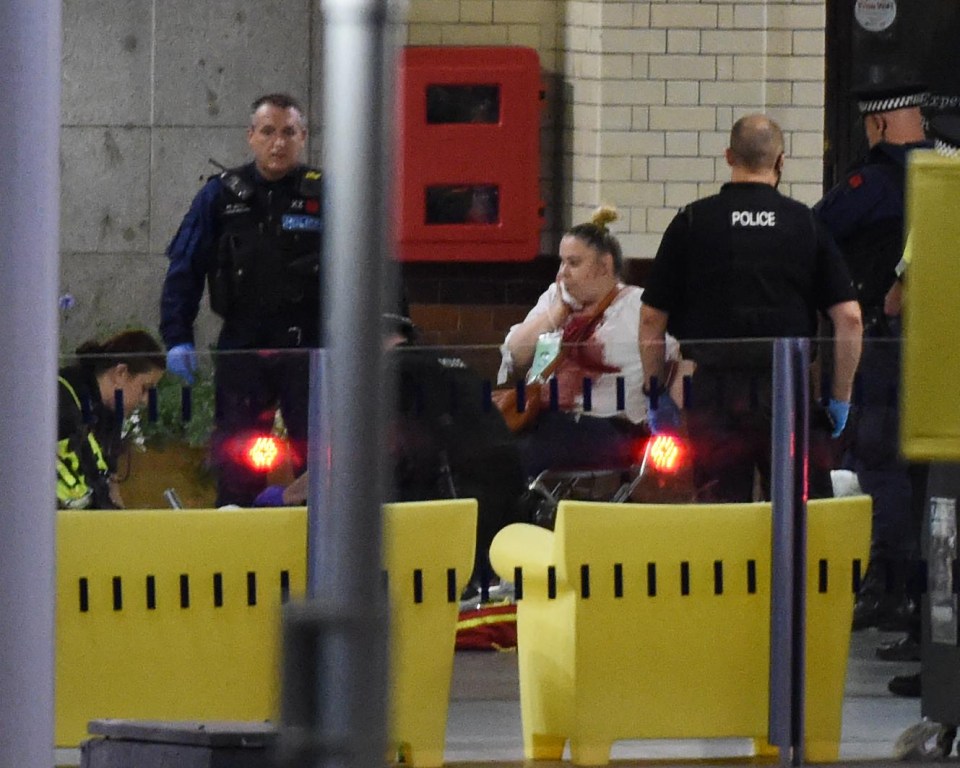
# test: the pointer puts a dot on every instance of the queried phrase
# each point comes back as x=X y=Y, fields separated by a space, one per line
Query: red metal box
x=468 y=159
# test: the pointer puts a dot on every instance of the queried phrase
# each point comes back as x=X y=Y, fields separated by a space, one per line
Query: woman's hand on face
x=559 y=309
x=574 y=304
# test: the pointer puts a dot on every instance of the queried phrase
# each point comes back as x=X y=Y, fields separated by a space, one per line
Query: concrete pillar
x=29 y=267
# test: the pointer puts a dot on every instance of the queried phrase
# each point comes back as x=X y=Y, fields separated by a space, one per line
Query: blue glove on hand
x=665 y=418
x=182 y=361
x=839 y=412
x=271 y=496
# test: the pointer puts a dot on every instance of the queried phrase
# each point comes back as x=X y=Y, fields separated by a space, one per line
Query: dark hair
x=595 y=233
x=756 y=141
x=138 y=350
x=280 y=101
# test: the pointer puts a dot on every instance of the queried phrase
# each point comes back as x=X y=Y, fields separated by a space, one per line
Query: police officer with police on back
x=253 y=236
x=865 y=215
x=747 y=263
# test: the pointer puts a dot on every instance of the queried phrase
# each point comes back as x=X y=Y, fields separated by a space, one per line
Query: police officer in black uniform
x=444 y=443
x=253 y=236
x=747 y=263
x=865 y=215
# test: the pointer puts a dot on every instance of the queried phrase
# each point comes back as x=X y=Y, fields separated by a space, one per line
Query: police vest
x=75 y=490
x=751 y=266
x=265 y=279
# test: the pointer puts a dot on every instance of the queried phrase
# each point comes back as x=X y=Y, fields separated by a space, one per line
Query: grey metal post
x=789 y=430
x=29 y=273
x=319 y=451
x=347 y=613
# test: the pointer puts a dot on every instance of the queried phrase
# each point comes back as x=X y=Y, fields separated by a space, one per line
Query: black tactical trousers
x=250 y=387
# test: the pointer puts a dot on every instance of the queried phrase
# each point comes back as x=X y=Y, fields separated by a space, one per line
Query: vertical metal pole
x=350 y=665
x=782 y=576
x=789 y=441
x=320 y=452
x=801 y=485
x=29 y=275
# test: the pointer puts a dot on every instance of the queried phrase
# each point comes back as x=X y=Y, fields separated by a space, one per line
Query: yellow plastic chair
x=436 y=540
x=175 y=614
x=930 y=426
x=652 y=621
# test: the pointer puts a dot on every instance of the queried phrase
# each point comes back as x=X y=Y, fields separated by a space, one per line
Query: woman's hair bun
x=604 y=215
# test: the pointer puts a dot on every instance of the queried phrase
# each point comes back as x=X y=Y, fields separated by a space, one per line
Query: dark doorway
x=843 y=136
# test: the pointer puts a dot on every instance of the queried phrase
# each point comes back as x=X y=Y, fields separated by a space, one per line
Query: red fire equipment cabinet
x=469 y=154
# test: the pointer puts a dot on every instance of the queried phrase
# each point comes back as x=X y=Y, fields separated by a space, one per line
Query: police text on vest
x=753 y=219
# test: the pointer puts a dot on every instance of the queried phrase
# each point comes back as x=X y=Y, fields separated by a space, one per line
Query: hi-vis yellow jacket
x=82 y=469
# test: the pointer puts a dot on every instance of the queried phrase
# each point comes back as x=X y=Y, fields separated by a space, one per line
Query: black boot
x=907 y=686
x=882 y=600
x=907 y=648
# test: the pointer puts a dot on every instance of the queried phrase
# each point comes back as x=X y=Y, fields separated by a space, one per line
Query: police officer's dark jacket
x=864 y=214
x=257 y=244
x=88 y=439
x=747 y=263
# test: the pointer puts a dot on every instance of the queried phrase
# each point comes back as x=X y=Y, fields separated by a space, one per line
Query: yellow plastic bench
x=652 y=621
x=175 y=614
x=930 y=424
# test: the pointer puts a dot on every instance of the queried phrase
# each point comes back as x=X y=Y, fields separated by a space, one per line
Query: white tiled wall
x=646 y=93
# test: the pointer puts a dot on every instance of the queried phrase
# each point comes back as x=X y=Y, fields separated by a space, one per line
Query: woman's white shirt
x=617 y=336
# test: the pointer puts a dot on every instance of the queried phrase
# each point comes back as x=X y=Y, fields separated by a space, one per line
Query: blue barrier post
x=790 y=426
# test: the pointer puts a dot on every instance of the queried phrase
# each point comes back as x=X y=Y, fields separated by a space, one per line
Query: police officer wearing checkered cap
x=865 y=215
x=864 y=212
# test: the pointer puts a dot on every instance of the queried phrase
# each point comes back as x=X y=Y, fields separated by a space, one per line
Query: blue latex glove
x=271 y=496
x=182 y=361
x=839 y=412
x=665 y=419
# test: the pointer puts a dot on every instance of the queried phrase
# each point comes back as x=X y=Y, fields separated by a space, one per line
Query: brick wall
x=646 y=93
x=656 y=88
x=641 y=99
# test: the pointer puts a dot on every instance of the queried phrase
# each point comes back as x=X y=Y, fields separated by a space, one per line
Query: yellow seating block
x=175 y=614
x=653 y=651
x=185 y=657
x=434 y=537
x=930 y=423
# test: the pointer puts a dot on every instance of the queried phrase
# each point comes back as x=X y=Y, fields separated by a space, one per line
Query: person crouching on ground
x=107 y=383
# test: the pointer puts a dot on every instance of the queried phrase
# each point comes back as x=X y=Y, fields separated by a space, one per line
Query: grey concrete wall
x=151 y=90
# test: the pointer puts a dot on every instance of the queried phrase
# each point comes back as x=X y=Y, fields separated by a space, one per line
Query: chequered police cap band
x=892 y=102
x=946 y=149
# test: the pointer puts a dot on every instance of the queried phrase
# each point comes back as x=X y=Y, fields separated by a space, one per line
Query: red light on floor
x=263 y=453
x=664 y=453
